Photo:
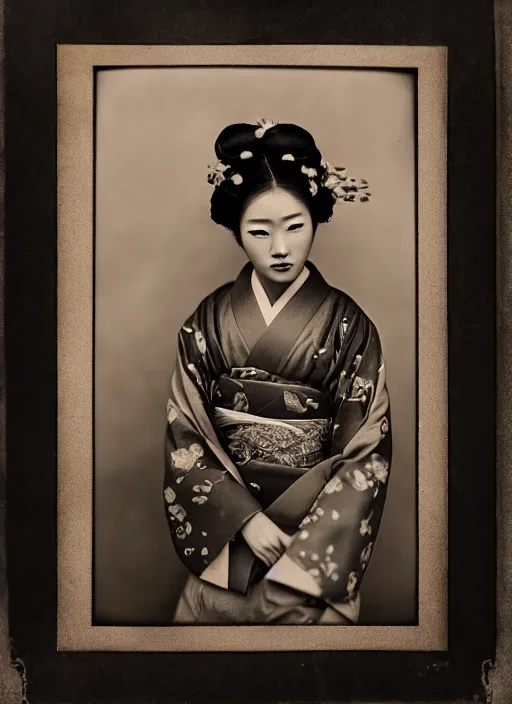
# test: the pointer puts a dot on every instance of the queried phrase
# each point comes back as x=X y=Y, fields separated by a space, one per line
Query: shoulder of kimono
x=216 y=298
x=350 y=309
x=354 y=318
x=209 y=303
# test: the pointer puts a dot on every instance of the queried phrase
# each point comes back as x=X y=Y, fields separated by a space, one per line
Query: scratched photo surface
x=158 y=254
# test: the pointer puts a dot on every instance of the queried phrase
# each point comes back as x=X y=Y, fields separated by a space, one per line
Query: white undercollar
x=268 y=311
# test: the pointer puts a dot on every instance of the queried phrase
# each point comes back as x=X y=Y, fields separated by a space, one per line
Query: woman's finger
x=263 y=557
x=274 y=543
x=274 y=540
x=272 y=557
x=279 y=545
x=272 y=553
x=284 y=539
x=269 y=540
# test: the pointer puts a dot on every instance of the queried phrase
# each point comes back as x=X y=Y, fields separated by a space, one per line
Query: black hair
x=255 y=164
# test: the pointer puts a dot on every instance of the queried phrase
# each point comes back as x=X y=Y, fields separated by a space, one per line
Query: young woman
x=278 y=439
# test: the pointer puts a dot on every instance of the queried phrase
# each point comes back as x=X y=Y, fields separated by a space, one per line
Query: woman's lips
x=281 y=267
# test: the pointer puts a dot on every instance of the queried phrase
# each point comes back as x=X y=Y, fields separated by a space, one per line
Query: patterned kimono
x=281 y=409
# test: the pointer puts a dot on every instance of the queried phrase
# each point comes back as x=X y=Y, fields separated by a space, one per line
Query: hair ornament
x=288 y=157
x=264 y=125
x=237 y=179
x=216 y=173
x=343 y=188
x=246 y=154
x=311 y=173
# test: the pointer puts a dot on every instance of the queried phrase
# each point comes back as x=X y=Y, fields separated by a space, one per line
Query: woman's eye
x=296 y=226
x=258 y=233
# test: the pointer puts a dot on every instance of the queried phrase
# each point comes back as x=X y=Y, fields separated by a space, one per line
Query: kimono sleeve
x=205 y=499
x=332 y=548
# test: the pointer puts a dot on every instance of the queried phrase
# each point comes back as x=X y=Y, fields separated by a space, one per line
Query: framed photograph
x=260 y=292
x=369 y=346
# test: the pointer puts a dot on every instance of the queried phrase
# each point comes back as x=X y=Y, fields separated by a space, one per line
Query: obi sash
x=272 y=429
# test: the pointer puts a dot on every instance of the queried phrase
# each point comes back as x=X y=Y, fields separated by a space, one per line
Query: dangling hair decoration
x=348 y=190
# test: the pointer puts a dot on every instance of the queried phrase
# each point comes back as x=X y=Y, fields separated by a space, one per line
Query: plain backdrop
x=158 y=254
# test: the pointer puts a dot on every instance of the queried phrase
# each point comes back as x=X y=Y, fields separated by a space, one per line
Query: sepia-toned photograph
x=278 y=445
x=255 y=361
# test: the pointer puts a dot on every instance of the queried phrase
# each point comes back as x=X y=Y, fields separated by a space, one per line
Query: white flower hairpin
x=311 y=173
x=264 y=124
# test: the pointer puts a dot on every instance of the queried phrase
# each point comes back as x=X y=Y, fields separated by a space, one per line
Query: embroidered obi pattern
x=299 y=444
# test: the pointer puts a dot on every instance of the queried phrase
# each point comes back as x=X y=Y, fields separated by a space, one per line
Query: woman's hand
x=266 y=540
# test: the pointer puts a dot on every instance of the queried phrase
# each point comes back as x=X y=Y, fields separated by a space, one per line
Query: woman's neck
x=274 y=289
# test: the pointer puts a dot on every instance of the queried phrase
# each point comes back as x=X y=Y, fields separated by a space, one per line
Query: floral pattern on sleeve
x=337 y=535
x=335 y=517
x=199 y=491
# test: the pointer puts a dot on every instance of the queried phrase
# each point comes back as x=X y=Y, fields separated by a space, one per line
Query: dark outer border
x=32 y=30
x=500 y=679
x=10 y=683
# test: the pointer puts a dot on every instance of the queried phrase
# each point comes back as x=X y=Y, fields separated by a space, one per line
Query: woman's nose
x=278 y=245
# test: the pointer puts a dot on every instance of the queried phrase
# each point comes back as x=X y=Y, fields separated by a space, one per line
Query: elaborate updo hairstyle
x=254 y=159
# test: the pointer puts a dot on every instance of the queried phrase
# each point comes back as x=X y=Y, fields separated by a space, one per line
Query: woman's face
x=277 y=232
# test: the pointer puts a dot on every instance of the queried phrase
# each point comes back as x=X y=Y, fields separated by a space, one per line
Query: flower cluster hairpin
x=335 y=178
x=216 y=173
x=264 y=124
x=342 y=187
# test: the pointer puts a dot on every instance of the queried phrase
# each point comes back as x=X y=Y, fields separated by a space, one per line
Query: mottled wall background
x=158 y=254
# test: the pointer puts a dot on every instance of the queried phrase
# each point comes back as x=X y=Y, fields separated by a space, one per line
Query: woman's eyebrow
x=269 y=222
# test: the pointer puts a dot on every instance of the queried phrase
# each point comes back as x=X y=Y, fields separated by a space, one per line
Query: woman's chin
x=282 y=276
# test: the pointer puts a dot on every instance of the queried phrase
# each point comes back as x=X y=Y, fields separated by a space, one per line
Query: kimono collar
x=269 y=311
x=269 y=344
